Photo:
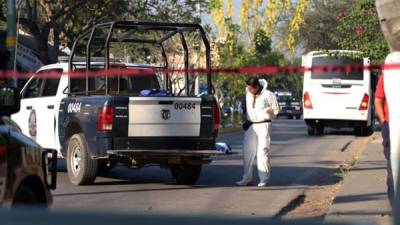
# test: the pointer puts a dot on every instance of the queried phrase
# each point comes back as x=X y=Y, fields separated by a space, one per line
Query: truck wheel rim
x=76 y=160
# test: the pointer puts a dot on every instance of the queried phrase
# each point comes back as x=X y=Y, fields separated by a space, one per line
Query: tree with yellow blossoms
x=265 y=15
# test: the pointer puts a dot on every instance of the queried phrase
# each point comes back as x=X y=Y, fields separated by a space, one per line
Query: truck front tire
x=82 y=169
x=185 y=174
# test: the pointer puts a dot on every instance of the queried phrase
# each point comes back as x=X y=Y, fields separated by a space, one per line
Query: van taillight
x=216 y=117
x=105 y=119
x=307 y=101
x=364 y=103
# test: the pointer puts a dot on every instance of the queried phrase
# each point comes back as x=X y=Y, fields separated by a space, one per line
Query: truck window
x=144 y=82
x=284 y=98
x=34 y=88
x=132 y=85
x=337 y=62
x=51 y=84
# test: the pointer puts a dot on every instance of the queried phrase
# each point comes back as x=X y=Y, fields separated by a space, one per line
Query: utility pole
x=11 y=37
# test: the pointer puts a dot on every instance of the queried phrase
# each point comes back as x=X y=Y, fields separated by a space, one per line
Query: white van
x=337 y=98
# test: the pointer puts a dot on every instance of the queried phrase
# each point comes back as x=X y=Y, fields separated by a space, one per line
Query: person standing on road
x=261 y=108
x=381 y=108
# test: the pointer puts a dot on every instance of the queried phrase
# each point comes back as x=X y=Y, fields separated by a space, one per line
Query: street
x=298 y=161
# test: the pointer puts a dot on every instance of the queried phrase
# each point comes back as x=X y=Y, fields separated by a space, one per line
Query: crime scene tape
x=253 y=70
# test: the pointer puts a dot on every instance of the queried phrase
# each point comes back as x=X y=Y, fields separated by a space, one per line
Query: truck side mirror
x=9 y=101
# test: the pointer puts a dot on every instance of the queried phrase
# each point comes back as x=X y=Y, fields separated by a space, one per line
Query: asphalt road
x=298 y=161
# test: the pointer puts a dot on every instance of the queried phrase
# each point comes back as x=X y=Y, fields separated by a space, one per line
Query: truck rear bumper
x=166 y=152
x=139 y=157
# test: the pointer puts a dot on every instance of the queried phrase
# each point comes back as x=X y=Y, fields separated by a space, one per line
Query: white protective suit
x=257 y=139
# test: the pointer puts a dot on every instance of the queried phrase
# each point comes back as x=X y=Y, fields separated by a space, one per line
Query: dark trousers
x=386 y=151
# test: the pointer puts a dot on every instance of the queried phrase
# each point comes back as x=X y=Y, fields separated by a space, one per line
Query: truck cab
x=289 y=105
x=127 y=96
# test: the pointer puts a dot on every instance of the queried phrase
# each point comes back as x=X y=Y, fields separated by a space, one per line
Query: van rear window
x=356 y=73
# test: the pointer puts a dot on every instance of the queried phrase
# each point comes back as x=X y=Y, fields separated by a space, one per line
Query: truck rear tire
x=81 y=168
x=185 y=174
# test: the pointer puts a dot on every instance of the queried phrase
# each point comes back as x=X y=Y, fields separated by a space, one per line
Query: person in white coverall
x=261 y=107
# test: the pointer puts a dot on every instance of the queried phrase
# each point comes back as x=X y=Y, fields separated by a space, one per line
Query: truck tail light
x=307 y=101
x=364 y=103
x=105 y=119
x=216 y=117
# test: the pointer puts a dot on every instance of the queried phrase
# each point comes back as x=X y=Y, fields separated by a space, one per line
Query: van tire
x=319 y=129
x=310 y=130
x=81 y=168
x=185 y=174
x=363 y=131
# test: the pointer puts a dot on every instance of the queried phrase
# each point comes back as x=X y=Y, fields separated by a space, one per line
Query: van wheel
x=185 y=174
x=310 y=130
x=363 y=131
x=319 y=130
x=290 y=117
x=81 y=168
x=25 y=196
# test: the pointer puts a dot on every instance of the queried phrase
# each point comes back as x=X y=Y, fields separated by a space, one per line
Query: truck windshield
x=354 y=74
x=284 y=98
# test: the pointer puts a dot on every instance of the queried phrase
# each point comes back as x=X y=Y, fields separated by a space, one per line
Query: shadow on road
x=215 y=176
x=361 y=198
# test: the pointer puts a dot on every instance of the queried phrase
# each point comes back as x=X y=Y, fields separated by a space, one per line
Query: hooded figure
x=261 y=108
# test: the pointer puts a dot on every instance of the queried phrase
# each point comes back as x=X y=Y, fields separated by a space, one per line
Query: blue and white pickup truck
x=145 y=118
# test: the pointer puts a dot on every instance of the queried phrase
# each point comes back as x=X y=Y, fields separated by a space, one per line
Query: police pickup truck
x=289 y=106
x=124 y=104
x=23 y=163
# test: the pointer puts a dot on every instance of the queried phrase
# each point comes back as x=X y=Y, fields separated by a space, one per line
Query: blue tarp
x=155 y=93
x=223 y=147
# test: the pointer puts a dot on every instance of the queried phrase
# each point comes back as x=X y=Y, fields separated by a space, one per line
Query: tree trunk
x=389 y=16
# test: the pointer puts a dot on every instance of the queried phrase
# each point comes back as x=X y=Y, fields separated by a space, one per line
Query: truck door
x=48 y=113
x=39 y=109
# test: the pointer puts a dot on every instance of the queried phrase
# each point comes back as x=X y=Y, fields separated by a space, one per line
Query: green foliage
x=60 y=22
x=359 y=29
x=349 y=25
x=320 y=22
x=234 y=54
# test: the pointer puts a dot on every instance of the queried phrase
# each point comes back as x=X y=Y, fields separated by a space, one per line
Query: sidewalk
x=362 y=196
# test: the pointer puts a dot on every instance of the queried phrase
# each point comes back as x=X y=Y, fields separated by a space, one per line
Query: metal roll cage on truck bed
x=106 y=119
x=172 y=28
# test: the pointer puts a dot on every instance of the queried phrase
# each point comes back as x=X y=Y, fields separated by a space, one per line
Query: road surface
x=298 y=161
